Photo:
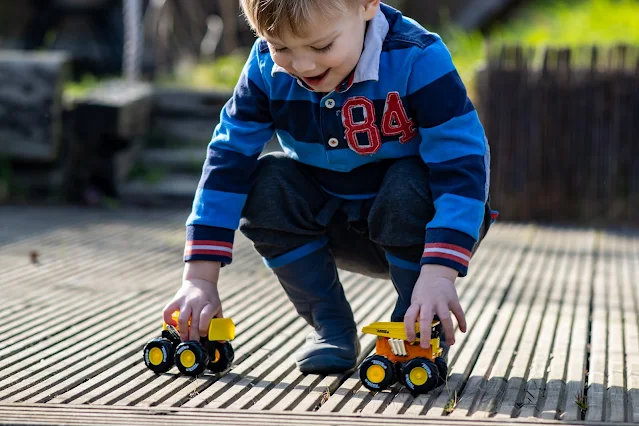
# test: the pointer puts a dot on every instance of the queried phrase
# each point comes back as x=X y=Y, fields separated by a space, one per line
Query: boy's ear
x=370 y=8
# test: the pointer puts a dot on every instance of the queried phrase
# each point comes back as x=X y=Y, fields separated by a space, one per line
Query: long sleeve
x=455 y=149
x=244 y=128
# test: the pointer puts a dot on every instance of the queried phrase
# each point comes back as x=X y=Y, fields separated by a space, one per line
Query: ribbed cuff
x=209 y=243
x=448 y=247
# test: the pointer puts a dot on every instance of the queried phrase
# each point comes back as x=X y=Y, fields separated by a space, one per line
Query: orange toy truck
x=396 y=359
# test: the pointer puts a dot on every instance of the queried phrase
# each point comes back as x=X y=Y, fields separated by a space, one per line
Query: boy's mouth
x=314 y=81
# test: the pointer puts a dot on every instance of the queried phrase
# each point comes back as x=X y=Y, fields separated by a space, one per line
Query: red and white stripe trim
x=448 y=251
x=209 y=247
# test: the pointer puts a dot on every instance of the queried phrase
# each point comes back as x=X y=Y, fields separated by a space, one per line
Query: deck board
x=76 y=321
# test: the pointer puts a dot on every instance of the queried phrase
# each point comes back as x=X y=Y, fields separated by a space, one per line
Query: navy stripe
x=450 y=236
x=209 y=233
x=464 y=176
x=402 y=33
x=248 y=103
x=303 y=121
x=439 y=101
x=228 y=171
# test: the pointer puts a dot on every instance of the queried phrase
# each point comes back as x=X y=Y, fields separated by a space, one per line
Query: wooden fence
x=563 y=125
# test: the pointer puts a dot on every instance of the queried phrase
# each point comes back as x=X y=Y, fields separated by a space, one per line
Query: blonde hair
x=278 y=17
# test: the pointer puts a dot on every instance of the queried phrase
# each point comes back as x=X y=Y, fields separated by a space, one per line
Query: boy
x=381 y=147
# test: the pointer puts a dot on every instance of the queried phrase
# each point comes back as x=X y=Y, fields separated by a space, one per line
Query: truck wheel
x=158 y=355
x=377 y=373
x=420 y=375
x=191 y=358
x=221 y=356
x=442 y=367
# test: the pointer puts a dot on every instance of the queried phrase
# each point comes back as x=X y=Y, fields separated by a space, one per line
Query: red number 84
x=395 y=122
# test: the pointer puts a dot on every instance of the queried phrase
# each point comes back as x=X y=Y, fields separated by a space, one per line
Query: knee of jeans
x=402 y=208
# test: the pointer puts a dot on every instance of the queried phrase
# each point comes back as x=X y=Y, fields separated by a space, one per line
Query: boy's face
x=330 y=51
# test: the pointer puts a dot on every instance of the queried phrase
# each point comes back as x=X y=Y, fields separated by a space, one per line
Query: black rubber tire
x=442 y=368
x=221 y=356
x=168 y=352
x=389 y=373
x=200 y=358
x=431 y=381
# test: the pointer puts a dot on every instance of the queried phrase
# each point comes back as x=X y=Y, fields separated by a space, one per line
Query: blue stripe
x=247 y=138
x=460 y=136
x=433 y=63
x=456 y=212
x=401 y=263
x=217 y=208
x=213 y=233
x=293 y=255
x=228 y=171
x=439 y=101
x=465 y=176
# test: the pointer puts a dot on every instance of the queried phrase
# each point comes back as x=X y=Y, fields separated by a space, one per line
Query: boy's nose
x=303 y=65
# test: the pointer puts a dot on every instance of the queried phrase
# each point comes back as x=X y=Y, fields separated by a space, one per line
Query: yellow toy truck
x=396 y=359
x=192 y=357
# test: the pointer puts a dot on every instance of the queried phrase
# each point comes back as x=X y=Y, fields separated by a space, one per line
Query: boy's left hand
x=434 y=293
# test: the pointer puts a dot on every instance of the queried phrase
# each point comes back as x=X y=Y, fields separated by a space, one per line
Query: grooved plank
x=630 y=264
x=598 y=351
x=474 y=339
x=616 y=392
x=536 y=379
x=555 y=383
x=88 y=415
x=537 y=295
x=575 y=369
x=477 y=382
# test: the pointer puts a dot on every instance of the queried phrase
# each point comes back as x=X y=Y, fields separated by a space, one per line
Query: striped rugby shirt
x=404 y=98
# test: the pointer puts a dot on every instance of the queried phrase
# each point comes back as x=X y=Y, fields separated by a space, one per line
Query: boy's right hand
x=198 y=300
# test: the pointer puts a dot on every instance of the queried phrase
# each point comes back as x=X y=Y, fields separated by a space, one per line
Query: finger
x=167 y=313
x=459 y=314
x=410 y=318
x=447 y=325
x=425 y=321
x=194 y=328
x=183 y=322
x=205 y=319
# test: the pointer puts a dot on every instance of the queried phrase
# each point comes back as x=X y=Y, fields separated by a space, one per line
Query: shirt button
x=333 y=142
x=330 y=103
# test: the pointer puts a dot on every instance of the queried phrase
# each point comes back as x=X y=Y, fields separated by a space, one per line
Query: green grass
x=559 y=23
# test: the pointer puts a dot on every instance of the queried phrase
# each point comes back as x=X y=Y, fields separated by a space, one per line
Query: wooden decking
x=552 y=315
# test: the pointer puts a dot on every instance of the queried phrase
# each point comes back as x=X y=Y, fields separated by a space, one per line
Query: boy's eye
x=279 y=49
x=324 y=49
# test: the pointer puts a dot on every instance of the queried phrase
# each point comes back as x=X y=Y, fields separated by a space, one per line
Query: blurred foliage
x=221 y=73
x=548 y=23
x=78 y=89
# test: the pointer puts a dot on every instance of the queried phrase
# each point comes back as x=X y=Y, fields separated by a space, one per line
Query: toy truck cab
x=212 y=352
x=396 y=359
